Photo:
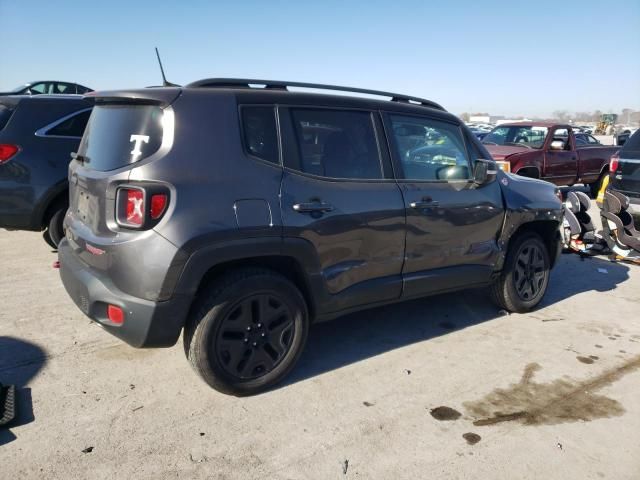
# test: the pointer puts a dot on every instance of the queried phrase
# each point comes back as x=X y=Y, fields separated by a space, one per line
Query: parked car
x=37 y=134
x=479 y=134
x=48 y=87
x=240 y=215
x=549 y=151
x=586 y=139
x=625 y=172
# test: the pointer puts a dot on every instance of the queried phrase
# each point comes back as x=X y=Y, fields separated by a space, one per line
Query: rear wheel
x=55 y=229
x=525 y=276
x=247 y=331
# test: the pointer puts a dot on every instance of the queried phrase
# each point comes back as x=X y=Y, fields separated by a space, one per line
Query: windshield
x=20 y=88
x=526 y=136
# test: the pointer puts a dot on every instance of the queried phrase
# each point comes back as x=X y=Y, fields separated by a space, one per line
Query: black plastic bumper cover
x=146 y=323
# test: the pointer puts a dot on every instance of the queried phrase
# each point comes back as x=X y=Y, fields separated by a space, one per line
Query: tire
x=246 y=331
x=597 y=185
x=55 y=228
x=518 y=288
x=47 y=238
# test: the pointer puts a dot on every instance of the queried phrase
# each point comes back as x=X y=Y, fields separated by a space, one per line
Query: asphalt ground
x=444 y=387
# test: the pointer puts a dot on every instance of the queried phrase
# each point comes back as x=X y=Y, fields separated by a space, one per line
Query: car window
x=39 y=88
x=591 y=140
x=62 y=88
x=72 y=127
x=562 y=134
x=528 y=136
x=260 y=133
x=430 y=149
x=5 y=114
x=337 y=143
x=121 y=134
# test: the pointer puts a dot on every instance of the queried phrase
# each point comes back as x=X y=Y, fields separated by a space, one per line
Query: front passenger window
x=430 y=149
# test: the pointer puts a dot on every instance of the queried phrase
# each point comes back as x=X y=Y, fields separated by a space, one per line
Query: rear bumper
x=146 y=323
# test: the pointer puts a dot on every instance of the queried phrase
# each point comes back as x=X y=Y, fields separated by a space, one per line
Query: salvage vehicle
x=238 y=212
x=37 y=135
x=52 y=87
x=625 y=172
x=550 y=152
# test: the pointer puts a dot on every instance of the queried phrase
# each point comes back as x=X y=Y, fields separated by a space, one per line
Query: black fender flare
x=198 y=261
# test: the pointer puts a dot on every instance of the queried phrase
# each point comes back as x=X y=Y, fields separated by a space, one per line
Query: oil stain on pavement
x=559 y=401
x=471 y=438
x=445 y=413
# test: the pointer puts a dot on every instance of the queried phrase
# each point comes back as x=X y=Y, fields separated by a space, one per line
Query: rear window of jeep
x=118 y=135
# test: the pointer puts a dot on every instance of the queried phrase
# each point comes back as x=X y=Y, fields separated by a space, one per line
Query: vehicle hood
x=500 y=152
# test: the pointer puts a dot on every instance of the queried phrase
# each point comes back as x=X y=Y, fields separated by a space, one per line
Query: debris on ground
x=345 y=467
x=408 y=372
x=368 y=404
x=87 y=450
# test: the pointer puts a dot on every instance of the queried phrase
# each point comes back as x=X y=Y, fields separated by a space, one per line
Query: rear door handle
x=424 y=203
x=312 y=207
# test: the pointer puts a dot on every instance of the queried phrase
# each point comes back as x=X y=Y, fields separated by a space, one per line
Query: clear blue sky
x=505 y=57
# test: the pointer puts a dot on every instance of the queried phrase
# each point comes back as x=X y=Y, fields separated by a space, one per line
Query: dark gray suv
x=37 y=134
x=238 y=212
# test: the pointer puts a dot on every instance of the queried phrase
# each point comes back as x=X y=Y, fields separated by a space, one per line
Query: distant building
x=485 y=118
x=512 y=120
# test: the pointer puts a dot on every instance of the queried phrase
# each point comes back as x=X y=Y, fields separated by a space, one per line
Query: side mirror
x=484 y=171
x=557 y=145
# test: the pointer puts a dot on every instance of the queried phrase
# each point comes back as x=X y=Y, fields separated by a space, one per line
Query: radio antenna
x=164 y=79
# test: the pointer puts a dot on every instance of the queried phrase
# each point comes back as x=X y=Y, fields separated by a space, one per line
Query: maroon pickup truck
x=548 y=151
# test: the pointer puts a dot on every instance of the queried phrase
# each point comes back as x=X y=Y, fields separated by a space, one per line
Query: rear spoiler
x=163 y=96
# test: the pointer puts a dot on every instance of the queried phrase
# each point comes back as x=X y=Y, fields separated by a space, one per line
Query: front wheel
x=247 y=332
x=525 y=276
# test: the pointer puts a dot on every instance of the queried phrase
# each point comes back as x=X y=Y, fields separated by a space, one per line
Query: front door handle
x=312 y=207
x=424 y=203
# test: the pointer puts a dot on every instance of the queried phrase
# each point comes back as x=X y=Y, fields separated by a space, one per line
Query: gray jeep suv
x=238 y=212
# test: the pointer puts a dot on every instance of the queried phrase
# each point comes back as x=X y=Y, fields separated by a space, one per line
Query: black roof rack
x=280 y=85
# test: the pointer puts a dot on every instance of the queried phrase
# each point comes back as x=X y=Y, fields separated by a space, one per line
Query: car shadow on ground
x=20 y=361
x=355 y=337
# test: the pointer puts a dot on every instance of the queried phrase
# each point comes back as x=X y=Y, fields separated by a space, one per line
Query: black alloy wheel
x=254 y=336
x=530 y=273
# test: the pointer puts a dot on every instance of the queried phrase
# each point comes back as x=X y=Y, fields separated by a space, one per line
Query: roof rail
x=281 y=85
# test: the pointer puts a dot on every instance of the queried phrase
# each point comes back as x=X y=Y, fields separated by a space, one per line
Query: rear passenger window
x=429 y=149
x=260 y=134
x=72 y=126
x=337 y=143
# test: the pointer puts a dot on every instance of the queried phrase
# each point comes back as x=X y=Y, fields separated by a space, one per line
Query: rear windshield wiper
x=81 y=158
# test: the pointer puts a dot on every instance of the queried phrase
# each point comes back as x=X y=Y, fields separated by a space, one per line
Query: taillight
x=141 y=206
x=135 y=206
x=158 y=204
x=614 y=162
x=7 y=151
